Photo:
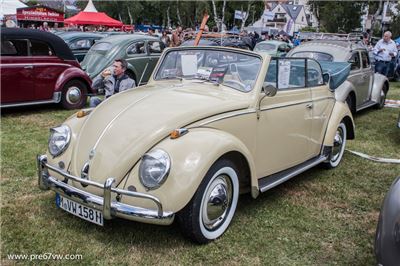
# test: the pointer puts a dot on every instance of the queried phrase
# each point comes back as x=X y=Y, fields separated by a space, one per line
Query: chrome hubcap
x=337 y=144
x=73 y=95
x=219 y=199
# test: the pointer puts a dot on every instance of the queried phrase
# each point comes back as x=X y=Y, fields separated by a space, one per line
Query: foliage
x=190 y=12
x=395 y=25
x=338 y=16
x=309 y=29
x=320 y=217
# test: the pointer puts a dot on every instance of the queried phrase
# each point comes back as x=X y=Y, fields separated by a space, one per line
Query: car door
x=154 y=49
x=368 y=74
x=47 y=67
x=323 y=101
x=285 y=120
x=16 y=67
x=136 y=55
x=356 y=77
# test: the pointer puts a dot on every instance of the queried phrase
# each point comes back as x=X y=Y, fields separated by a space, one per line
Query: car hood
x=94 y=63
x=124 y=127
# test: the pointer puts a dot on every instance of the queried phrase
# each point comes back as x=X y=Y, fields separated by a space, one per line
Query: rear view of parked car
x=140 y=51
x=363 y=88
x=37 y=67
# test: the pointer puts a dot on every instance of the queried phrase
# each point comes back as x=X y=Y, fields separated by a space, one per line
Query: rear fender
x=379 y=83
x=341 y=112
x=344 y=90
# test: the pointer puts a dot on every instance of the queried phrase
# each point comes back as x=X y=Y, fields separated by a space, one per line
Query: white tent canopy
x=9 y=7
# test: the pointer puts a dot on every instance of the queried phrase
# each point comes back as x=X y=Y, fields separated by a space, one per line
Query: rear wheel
x=210 y=211
x=382 y=98
x=74 y=95
x=339 y=144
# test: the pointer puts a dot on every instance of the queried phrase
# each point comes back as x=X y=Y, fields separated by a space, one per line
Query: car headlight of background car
x=59 y=139
x=154 y=168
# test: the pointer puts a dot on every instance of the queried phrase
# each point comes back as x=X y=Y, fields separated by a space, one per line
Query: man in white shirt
x=385 y=50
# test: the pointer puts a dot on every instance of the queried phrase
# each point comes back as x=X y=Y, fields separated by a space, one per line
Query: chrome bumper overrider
x=105 y=204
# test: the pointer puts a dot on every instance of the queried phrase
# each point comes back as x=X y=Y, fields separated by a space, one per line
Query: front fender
x=191 y=157
x=73 y=73
x=344 y=90
x=379 y=82
x=340 y=112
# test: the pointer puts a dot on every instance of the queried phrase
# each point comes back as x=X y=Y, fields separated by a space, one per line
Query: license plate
x=86 y=213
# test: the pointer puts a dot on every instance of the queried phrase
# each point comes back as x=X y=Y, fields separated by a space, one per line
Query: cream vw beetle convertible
x=211 y=124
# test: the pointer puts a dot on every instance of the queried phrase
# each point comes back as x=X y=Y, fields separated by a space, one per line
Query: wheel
x=74 y=95
x=351 y=103
x=382 y=98
x=210 y=211
x=339 y=143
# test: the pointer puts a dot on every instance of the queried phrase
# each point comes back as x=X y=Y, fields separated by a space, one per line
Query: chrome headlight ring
x=154 y=168
x=59 y=140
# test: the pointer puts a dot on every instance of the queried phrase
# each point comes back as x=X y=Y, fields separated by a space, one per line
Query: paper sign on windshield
x=283 y=74
x=189 y=64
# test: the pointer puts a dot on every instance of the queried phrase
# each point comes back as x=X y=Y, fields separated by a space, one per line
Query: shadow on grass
x=32 y=109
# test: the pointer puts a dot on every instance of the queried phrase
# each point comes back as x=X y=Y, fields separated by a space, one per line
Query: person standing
x=384 y=51
x=177 y=37
x=112 y=83
x=165 y=39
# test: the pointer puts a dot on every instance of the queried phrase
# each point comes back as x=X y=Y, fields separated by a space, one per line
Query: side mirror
x=326 y=77
x=269 y=90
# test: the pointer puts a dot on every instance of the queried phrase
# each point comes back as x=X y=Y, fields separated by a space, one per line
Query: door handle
x=309 y=106
x=28 y=67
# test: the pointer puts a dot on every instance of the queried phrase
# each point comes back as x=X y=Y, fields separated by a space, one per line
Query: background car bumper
x=105 y=204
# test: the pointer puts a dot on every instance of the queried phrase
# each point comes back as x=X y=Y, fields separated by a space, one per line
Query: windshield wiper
x=173 y=77
x=205 y=79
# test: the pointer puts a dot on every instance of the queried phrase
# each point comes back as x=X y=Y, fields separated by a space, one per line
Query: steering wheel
x=243 y=86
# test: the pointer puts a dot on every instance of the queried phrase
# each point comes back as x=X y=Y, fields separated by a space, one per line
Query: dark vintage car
x=80 y=42
x=140 y=51
x=37 y=67
x=387 y=237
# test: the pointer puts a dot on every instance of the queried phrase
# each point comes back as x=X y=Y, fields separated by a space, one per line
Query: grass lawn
x=320 y=217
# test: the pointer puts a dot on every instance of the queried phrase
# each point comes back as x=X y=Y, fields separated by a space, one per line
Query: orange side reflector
x=82 y=113
x=178 y=133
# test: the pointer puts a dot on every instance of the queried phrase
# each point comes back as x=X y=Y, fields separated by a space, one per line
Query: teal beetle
x=80 y=42
x=140 y=51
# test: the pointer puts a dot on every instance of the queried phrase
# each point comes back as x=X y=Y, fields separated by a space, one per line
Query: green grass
x=320 y=217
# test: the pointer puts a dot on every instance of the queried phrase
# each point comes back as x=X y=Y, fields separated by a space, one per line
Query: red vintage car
x=37 y=67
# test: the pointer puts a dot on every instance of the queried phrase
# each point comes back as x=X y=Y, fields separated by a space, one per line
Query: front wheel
x=339 y=144
x=210 y=211
x=74 y=95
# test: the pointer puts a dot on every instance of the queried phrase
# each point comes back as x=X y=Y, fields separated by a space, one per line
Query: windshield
x=236 y=70
x=101 y=46
x=315 y=55
x=265 y=47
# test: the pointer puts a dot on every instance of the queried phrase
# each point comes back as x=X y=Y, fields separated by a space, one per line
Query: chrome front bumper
x=105 y=204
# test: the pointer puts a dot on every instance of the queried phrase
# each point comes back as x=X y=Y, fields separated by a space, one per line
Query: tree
x=395 y=25
x=346 y=15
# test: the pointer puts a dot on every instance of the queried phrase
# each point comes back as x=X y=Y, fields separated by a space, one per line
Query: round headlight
x=59 y=139
x=154 y=168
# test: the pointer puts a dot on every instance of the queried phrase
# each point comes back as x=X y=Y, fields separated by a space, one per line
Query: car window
x=14 y=47
x=286 y=73
x=155 y=47
x=265 y=47
x=39 y=48
x=136 y=48
x=355 y=61
x=80 y=44
x=365 y=60
x=101 y=46
x=314 y=74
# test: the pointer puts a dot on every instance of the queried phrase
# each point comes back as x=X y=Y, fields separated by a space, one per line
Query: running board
x=366 y=105
x=271 y=181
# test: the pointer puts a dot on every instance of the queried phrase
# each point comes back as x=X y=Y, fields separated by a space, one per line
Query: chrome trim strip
x=105 y=204
x=227 y=116
x=5 y=105
x=115 y=118
x=287 y=105
x=365 y=105
x=294 y=173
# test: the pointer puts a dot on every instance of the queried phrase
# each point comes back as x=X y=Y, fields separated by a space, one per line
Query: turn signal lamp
x=82 y=113
x=177 y=133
